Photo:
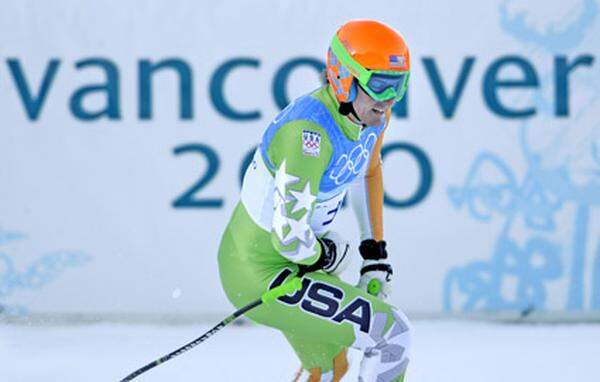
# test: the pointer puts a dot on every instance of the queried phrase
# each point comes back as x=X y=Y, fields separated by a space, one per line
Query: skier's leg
x=326 y=310
x=320 y=361
x=380 y=331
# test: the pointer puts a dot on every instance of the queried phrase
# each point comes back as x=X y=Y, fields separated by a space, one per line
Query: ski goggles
x=381 y=85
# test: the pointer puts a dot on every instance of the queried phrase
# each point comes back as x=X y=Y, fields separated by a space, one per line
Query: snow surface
x=443 y=351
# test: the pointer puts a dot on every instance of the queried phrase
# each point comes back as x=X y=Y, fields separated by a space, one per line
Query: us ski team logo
x=311 y=143
x=325 y=301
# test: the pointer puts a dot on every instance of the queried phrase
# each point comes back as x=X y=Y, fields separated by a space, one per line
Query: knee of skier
x=390 y=327
x=396 y=342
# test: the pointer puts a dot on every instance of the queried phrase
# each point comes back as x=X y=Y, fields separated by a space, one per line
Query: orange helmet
x=371 y=55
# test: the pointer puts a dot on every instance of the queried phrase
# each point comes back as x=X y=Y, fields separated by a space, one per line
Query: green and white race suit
x=309 y=157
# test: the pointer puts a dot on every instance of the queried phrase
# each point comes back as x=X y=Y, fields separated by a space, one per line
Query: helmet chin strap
x=347 y=108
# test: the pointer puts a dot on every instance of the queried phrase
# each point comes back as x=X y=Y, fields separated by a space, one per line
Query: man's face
x=370 y=111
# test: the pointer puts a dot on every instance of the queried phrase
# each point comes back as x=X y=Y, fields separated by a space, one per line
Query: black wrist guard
x=373 y=250
x=327 y=254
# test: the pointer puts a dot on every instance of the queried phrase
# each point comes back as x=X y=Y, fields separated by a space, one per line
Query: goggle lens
x=379 y=83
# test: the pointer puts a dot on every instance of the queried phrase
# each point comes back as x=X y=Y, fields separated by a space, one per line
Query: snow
x=463 y=351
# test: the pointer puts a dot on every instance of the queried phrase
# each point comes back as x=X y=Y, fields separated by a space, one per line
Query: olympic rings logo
x=352 y=163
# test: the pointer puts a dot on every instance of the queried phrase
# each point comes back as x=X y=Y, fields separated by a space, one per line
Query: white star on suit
x=304 y=199
x=299 y=230
x=282 y=179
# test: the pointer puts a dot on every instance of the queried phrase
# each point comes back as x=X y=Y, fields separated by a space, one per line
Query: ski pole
x=294 y=285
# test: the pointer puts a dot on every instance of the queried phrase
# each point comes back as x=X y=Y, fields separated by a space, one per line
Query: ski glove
x=335 y=255
x=376 y=272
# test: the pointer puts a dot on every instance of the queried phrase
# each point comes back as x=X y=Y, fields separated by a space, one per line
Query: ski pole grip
x=294 y=285
x=374 y=287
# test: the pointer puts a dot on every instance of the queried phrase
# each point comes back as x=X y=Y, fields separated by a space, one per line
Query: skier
x=320 y=146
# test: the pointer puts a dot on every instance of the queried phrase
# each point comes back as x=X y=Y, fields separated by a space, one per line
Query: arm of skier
x=298 y=171
x=300 y=153
x=366 y=196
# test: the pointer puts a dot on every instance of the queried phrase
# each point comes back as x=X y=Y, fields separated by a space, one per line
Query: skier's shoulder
x=301 y=136
x=305 y=114
x=298 y=131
